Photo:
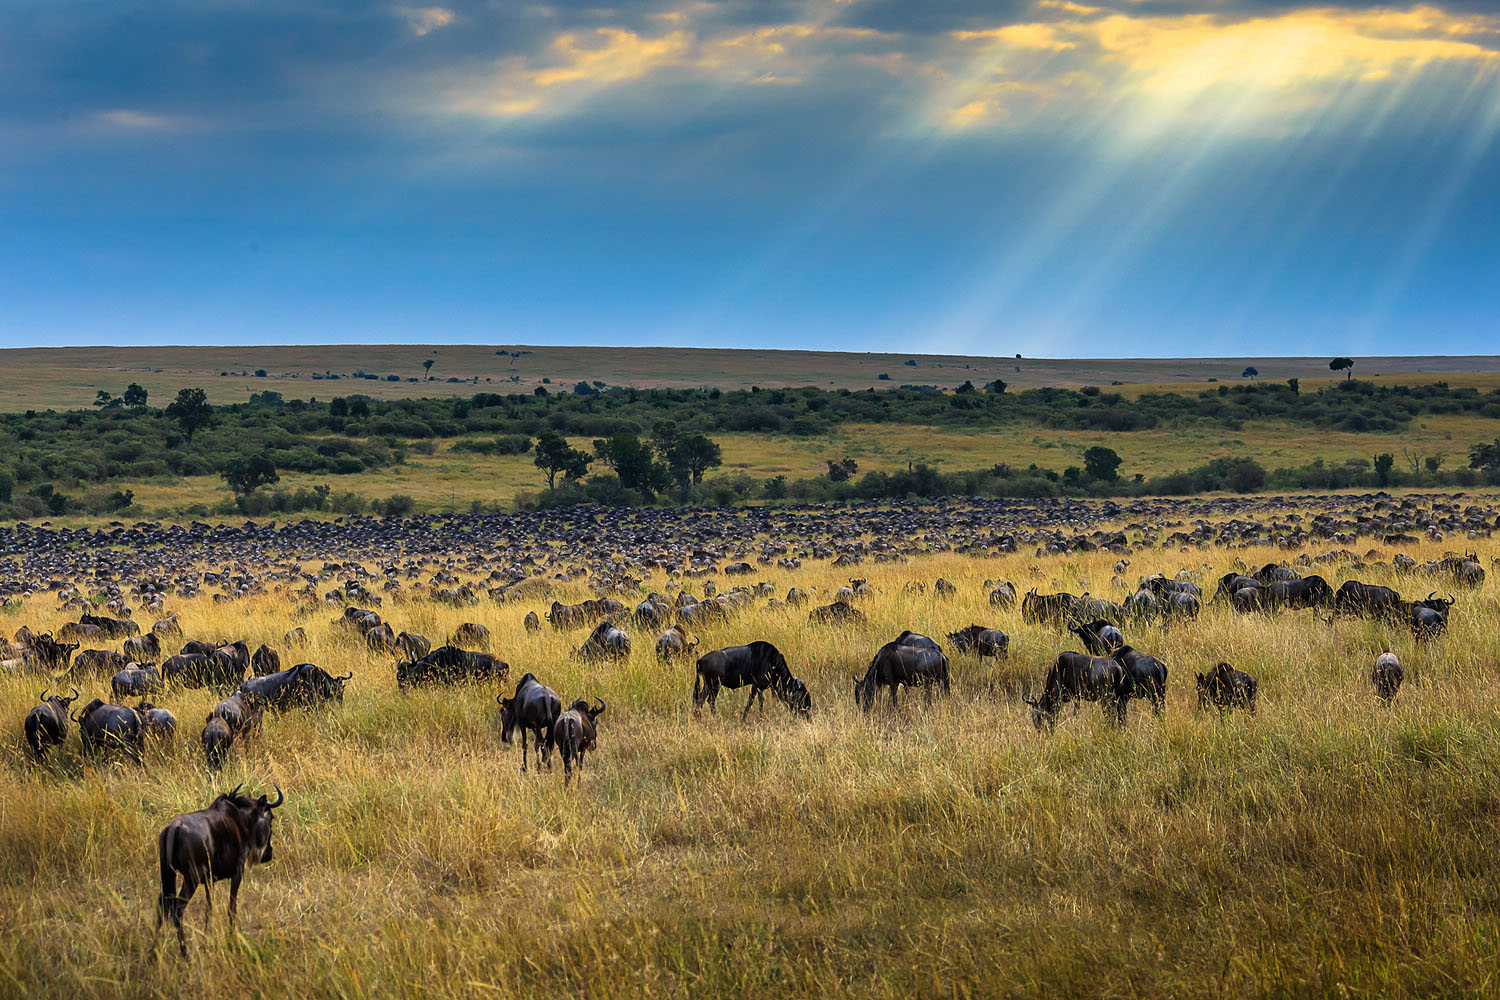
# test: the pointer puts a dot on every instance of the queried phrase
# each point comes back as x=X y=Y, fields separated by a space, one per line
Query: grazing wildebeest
x=48 y=653
x=797 y=597
x=1310 y=592
x=450 y=665
x=46 y=725
x=1230 y=583
x=217 y=740
x=470 y=634
x=797 y=697
x=157 y=724
x=208 y=846
x=1427 y=618
x=133 y=682
x=674 y=643
x=1099 y=636
x=102 y=728
x=1248 y=599
x=532 y=622
x=1041 y=609
x=1386 y=676
x=837 y=613
x=381 y=640
x=295 y=638
x=574 y=733
x=1227 y=688
x=533 y=708
x=910 y=659
x=97 y=663
x=168 y=629
x=758 y=664
x=605 y=643
x=1148 y=675
x=1274 y=573
x=306 y=685
x=1365 y=600
x=1079 y=677
x=981 y=640
x=942 y=588
x=143 y=649
x=652 y=614
x=197 y=647
x=113 y=628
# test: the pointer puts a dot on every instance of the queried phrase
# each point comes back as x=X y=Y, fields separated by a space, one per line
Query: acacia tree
x=633 y=460
x=554 y=455
x=1342 y=365
x=135 y=395
x=248 y=474
x=690 y=457
x=1101 y=463
x=427 y=368
x=191 y=411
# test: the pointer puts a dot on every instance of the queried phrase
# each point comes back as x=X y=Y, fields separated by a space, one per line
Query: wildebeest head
x=61 y=701
x=257 y=815
x=508 y=716
x=1041 y=711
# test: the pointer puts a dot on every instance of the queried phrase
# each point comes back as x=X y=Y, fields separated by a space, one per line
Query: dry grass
x=41 y=378
x=1327 y=846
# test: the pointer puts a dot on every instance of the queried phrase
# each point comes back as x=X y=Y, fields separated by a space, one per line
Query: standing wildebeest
x=1003 y=595
x=532 y=622
x=1230 y=583
x=168 y=629
x=1148 y=675
x=674 y=643
x=98 y=663
x=1310 y=592
x=909 y=659
x=1079 y=677
x=981 y=640
x=1427 y=618
x=217 y=740
x=837 y=613
x=1366 y=600
x=533 y=708
x=1386 y=676
x=1099 y=636
x=46 y=725
x=381 y=639
x=574 y=734
x=134 y=682
x=142 y=649
x=652 y=614
x=240 y=713
x=415 y=646
x=306 y=685
x=296 y=637
x=605 y=643
x=157 y=724
x=102 y=728
x=264 y=660
x=1041 y=609
x=1227 y=688
x=450 y=665
x=113 y=628
x=758 y=664
x=208 y=846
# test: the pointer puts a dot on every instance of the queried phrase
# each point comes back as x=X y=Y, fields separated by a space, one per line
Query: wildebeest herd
x=373 y=570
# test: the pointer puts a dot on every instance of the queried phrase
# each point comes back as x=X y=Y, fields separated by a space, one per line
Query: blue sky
x=1055 y=178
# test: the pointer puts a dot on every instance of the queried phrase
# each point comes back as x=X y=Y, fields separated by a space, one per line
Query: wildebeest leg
x=894 y=685
x=713 y=695
x=748 y=702
x=523 y=751
x=234 y=894
x=179 y=906
x=208 y=901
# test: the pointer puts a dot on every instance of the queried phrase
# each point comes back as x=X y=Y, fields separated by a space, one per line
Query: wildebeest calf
x=1227 y=688
x=574 y=733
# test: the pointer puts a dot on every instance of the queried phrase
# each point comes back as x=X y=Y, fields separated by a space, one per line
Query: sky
x=1046 y=177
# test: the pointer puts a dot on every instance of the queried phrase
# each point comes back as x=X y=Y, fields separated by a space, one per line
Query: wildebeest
x=48 y=653
x=97 y=663
x=381 y=639
x=1042 y=609
x=981 y=640
x=674 y=643
x=533 y=708
x=1148 y=675
x=306 y=685
x=565 y=616
x=605 y=643
x=413 y=645
x=837 y=613
x=532 y=622
x=471 y=634
x=168 y=629
x=1427 y=618
x=195 y=670
x=157 y=724
x=240 y=713
x=1229 y=583
x=1308 y=592
x=46 y=725
x=112 y=628
x=1386 y=676
x=103 y=728
x=1079 y=677
x=134 y=682
x=1003 y=595
x=217 y=741
x=1099 y=636
x=264 y=660
x=450 y=665
x=796 y=597
x=574 y=734
x=652 y=614
x=1227 y=688
x=1365 y=599
x=208 y=846
x=910 y=659
x=758 y=664
x=295 y=638
x=143 y=649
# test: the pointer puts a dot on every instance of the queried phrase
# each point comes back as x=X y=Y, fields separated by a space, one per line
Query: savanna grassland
x=66 y=377
x=1326 y=846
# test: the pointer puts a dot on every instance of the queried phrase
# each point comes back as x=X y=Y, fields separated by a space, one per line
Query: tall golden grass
x=1328 y=845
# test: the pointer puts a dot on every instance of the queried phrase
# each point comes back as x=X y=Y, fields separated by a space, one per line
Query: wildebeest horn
x=1451 y=601
x=1029 y=701
x=280 y=798
x=601 y=705
x=1432 y=595
x=75 y=695
x=42 y=696
x=346 y=677
x=236 y=787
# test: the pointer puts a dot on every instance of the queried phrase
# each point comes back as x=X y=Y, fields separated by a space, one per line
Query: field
x=448 y=479
x=42 y=378
x=1326 y=846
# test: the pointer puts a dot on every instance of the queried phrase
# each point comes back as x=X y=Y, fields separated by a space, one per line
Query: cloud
x=130 y=118
x=424 y=20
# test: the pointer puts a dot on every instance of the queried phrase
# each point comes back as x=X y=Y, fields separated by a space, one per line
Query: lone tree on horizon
x=427 y=369
x=191 y=411
x=1342 y=365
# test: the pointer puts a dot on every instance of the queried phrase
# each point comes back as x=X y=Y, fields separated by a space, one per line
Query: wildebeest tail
x=167 y=904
